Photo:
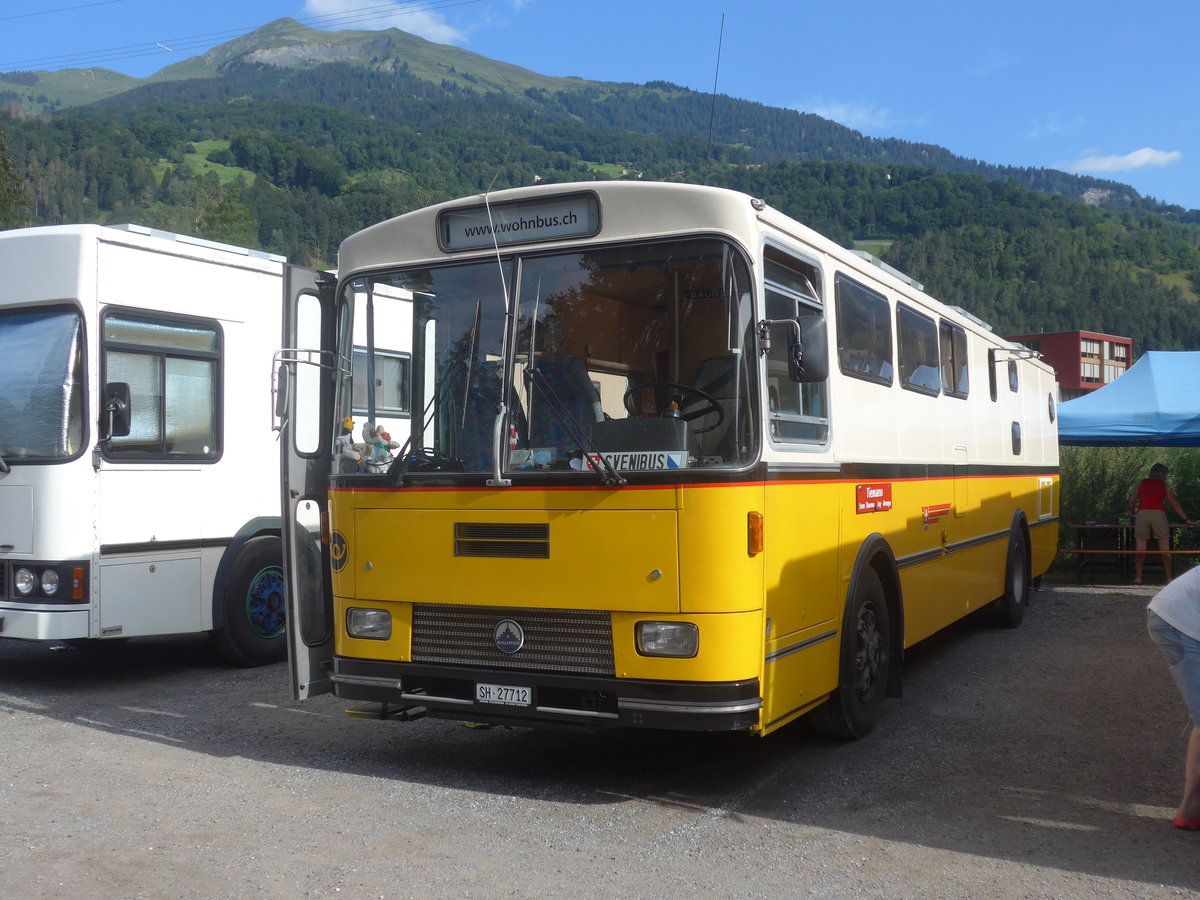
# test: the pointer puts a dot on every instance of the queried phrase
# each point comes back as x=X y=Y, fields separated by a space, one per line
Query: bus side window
x=172 y=367
x=797 y=412
x=953 y=343
x=918 y=342
x=864 y=332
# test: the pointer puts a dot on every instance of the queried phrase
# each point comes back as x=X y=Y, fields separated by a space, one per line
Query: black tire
x=1009 y=610
x=855 y=706
x=254 y=628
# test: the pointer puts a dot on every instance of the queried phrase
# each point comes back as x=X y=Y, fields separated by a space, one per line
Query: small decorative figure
x=378 y=445
x=347 y=455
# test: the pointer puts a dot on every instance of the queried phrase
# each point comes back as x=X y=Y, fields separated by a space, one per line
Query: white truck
x=139 y=472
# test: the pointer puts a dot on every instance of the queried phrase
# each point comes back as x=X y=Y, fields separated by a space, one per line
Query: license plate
x=503 y=694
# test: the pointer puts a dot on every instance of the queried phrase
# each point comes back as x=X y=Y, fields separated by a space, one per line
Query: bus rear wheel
x=1009 y=610
x=855 y=706
x=254 y=626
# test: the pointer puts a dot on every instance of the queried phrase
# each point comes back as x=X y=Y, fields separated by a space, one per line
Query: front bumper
x=558 y=701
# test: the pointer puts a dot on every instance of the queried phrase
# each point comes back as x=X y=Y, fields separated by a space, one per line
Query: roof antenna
x=712 y=112
x=498 y=479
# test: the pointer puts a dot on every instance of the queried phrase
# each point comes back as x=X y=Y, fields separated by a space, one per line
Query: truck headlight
x=371 y=624
x=49 y=582
x=675 y=639
x=24 y=581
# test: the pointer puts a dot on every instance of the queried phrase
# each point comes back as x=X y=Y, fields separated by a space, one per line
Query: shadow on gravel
x=1059 y=744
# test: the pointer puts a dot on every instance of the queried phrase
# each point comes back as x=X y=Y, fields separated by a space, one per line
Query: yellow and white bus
x=677 y=461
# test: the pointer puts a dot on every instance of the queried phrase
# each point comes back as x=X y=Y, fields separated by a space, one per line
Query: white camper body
x=139 y=488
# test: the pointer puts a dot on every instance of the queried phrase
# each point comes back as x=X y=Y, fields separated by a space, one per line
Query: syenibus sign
x=473 y=227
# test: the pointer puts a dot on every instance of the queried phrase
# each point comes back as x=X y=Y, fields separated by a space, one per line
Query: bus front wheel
x=865 y=659
x=252 y=632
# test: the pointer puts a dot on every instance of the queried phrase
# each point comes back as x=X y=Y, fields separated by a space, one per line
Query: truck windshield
x=41 y=370
x=617 y=359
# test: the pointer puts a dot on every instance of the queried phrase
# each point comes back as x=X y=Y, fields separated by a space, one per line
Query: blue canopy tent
x=1154 y=404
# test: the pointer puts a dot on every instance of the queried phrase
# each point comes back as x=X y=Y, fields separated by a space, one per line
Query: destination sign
x=469 y=228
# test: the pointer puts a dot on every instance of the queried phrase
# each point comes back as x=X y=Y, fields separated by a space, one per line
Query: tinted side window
x=918 y=351
x=953 y=345
x=864 y=332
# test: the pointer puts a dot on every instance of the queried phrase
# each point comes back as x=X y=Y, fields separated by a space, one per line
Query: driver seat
x=569 y=386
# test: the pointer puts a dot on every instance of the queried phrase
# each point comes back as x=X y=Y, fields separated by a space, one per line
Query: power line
x=87 y=59
x=47 y=12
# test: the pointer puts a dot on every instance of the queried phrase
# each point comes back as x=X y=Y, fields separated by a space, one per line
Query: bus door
x=306 y=374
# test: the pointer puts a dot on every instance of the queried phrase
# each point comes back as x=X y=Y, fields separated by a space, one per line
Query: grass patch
x=1181 y=281
x=198 y=164
x=875 y=247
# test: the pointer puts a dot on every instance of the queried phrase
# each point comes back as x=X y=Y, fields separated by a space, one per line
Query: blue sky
x=1103 y=88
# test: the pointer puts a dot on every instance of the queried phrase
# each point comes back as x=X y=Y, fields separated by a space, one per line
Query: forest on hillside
x=293 y=161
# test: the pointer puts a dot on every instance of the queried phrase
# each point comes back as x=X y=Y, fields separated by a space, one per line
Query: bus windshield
x=620 y=358
x=41 y=406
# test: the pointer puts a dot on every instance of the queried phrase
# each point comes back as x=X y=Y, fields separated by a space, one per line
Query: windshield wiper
x=5 y=468
x=608 y=473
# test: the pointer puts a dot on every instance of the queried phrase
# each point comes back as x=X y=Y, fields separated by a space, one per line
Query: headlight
x=49 y=582
x=676 y=639
x=371 y=624
x=24 y=581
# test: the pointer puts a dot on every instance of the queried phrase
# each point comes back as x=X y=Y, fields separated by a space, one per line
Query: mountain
x=290 y=138
x=286 y=44
x=657 y=108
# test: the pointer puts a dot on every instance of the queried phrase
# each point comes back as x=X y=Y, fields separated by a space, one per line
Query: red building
x=1082 y=360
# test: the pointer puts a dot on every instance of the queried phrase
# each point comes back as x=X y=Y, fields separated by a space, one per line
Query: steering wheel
x=712 y=405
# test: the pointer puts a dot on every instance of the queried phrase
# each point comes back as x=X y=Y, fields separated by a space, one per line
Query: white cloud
x=1138 y=159
x=415 y=18
x=859 y=116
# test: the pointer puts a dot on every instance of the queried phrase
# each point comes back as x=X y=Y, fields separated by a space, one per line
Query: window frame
x=784 y=261
x=922 y=325
x=163 y=353
x=384 y=412
x=81 y=401
x=845 y=289
x=956 y=382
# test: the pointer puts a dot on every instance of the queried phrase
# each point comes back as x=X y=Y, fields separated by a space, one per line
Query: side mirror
x=808 y=358
x=117 y=415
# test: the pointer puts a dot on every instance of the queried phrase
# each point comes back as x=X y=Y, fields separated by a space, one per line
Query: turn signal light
x=754 y=533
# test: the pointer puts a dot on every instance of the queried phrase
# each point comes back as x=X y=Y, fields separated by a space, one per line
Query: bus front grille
x=555 y=640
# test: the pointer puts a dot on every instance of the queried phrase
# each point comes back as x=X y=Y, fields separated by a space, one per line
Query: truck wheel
x=1009 y=610
x=253 y=606
x=854 y=707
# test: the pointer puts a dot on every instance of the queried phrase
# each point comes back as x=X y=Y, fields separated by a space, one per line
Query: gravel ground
x=1040 y=762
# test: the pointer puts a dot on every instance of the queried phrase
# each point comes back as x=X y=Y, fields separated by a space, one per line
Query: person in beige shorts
x=1147 y=505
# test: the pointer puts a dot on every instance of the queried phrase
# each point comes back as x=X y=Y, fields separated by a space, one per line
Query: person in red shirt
x=1147 y=505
